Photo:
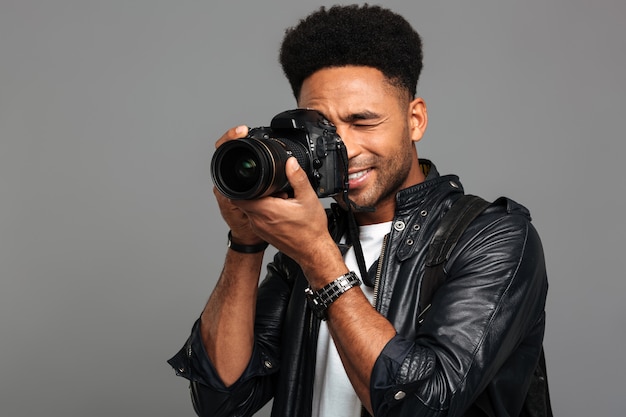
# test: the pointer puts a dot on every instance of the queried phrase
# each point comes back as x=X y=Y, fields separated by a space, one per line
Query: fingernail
x=240 y=130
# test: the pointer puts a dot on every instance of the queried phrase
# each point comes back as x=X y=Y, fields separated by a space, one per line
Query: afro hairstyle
x=353 y=35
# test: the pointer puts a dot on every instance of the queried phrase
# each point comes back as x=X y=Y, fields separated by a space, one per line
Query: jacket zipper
x=379 y=269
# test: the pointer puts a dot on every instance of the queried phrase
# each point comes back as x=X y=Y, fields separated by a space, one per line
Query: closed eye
x=368 y=123
x=363 y=118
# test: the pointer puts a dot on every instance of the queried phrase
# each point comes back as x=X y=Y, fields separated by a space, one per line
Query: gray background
x=110 y=241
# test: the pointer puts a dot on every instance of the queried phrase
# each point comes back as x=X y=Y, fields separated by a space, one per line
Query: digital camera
x=254 y=166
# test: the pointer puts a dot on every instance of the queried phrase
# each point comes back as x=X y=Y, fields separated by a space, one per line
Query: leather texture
x=484 y=329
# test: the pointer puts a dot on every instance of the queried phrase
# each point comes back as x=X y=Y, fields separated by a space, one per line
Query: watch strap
x=320 y=300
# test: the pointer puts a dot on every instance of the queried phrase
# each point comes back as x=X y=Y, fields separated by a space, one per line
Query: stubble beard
x=391 y=176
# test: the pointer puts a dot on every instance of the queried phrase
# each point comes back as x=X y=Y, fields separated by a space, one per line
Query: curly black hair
x=353 y=35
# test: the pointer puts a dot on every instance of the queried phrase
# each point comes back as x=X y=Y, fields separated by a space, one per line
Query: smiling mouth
x=357 y=175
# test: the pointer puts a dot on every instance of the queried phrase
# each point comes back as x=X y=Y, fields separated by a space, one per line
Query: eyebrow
x=364 y=115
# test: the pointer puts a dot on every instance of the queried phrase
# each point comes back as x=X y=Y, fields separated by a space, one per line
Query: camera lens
x=240 y=169
x=246 y=168
x=250 y=168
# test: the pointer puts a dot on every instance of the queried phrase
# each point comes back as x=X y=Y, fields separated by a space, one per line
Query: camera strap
x=353 y=227
x=353 y=232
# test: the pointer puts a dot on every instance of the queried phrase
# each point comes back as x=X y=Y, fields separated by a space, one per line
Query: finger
x=282 y=195
x=221 y=199
x=233 y=133
x=297 y=177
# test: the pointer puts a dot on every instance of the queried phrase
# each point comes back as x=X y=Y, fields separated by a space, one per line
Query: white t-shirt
x=333 y=395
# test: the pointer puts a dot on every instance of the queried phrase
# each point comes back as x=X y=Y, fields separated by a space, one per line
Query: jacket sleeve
x=255 y=387
x=492 y=299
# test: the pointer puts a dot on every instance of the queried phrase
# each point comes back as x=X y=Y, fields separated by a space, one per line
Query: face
x=379 y=125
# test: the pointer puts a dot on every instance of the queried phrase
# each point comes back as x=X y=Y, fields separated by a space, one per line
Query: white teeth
x=356 y=175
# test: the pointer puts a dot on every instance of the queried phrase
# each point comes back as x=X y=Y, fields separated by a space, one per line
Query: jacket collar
x=411 y=197
x=414 y=196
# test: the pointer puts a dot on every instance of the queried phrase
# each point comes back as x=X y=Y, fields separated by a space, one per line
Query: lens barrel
x=250 y=168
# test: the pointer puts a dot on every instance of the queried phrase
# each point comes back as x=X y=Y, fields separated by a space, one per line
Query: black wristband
x=245 y=248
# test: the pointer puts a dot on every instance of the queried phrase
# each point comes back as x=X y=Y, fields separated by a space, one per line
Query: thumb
x=296 y=175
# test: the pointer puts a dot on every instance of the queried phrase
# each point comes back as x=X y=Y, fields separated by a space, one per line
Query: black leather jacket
x=484 y=330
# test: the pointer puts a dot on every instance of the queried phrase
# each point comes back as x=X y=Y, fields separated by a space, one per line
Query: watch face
x=315 y=303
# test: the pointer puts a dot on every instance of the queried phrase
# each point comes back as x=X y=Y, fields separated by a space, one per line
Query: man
x=359 y=67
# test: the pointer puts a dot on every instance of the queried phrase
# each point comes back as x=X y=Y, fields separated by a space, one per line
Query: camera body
x=254 y=166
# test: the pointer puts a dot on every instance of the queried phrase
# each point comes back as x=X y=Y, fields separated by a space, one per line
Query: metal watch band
x=246 y=248
x=320 y=300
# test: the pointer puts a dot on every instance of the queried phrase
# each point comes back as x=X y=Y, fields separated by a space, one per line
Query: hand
x=296 y=226
x=235 y=218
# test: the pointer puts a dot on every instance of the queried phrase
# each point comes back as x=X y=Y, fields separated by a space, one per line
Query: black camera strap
x=353 y=227
x=354 y=238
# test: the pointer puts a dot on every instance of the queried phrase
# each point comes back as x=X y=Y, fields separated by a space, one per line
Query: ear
x=418 y=118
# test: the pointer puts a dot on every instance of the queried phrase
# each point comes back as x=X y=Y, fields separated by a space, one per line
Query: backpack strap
x=451 y=227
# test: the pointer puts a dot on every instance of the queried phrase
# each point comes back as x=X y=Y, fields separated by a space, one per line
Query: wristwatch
x=320 y=300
